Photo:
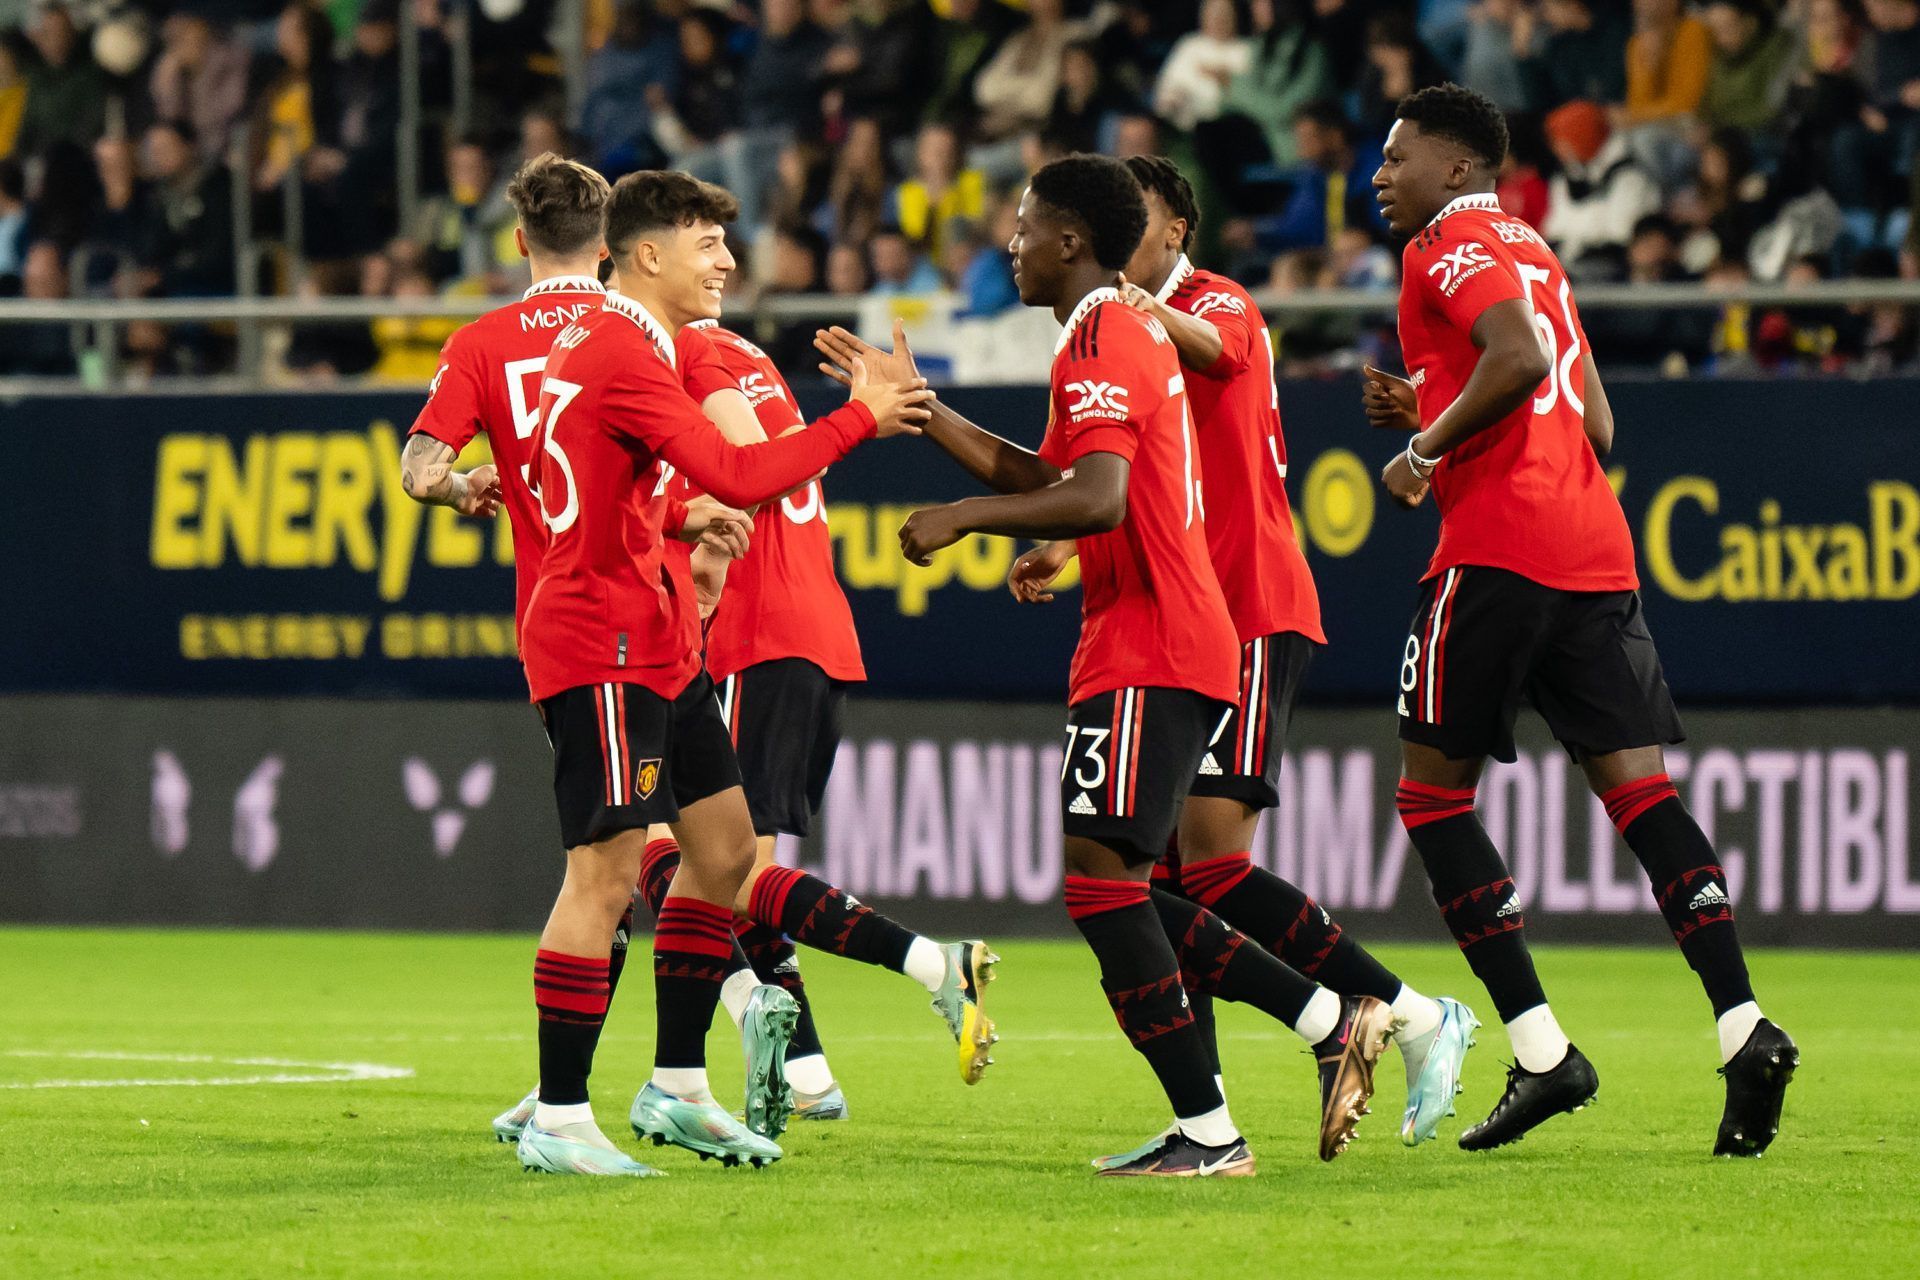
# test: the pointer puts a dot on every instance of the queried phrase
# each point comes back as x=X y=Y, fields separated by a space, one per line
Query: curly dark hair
x=1100 y=194
x=1163 y=178
x=1456 y=112
x=655 y=199
x=560 y=202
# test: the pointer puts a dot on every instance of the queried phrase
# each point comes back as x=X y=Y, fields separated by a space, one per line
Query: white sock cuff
x=1735 y=1027
x=1538 y=1042
x=549 y=1116
x=682 y=1082
x=1214 y=1129
x=926 y=964
x=735 y=990
x=810 y=1074
x=1320 y=1017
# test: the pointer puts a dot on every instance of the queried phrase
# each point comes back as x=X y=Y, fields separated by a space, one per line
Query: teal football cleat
x=1433 y=1072
x=508 y=1124
x=701 y=1125
x=831 y=1105
x=772 y=1013
x=577 y=1148
x=969 y=970
x=1140 y=1152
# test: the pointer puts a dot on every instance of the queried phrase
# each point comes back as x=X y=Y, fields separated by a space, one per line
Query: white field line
x=298 y=1072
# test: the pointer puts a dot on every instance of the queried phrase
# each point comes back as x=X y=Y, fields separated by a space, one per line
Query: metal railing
x=97 y=325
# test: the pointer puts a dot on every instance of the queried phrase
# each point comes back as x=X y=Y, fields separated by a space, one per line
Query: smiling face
x=692 y=264
x=1039 y=249
x=1418 y=175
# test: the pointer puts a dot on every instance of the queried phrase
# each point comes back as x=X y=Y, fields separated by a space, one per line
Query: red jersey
x=1243 y=457
x=1151 y=609
x=613 y=407
x=783 y=600
x=489 y=380
x=1526 y=494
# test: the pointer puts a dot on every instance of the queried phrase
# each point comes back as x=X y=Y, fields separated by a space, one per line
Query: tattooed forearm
x=427 y=475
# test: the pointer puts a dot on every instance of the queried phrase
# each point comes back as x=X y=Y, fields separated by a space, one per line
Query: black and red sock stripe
x=657 y=865
x=570 y=988
x=693 y=934
x=1208 y=880
x=1485 y=911
x=1629 y=800
x=1090 y=896
x=1420 y=803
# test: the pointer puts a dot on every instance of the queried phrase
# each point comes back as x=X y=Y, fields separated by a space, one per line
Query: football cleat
x=701 y=1125
x=1433 y=1064
x=831 y=1105
x=508 y=1124
x=1757 y=1078
x=765 y=1029
x=969 y=970
x=577 y=1148
x=1146 y=1148
x=1346 y=1059
x=1175 y=1155
x=1533 y=1098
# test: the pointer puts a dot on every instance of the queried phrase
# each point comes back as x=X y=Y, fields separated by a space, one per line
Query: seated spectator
x=1136 y=135
x=122 y=218
x=297 y=110
x=1396 y=64
x=897 y=268
x=1358 y=261
x=1869 y=152
x=1193 y=82
x=1332 y=188
x=1828 y=87
x=882 y=68
x=963 y=40
x=1669 y=60
x=615 y=121
x=449 y=225
x=410 y=346
x=797 y=263
x=40 y=350
x=1579 y=55
x=846 y=271
x=1486 y=49
x=14 y=219
x=694 y=122
x=985 y=284
x=1650 y=337
x=1287 y=68
x=1600 y=193
x=200 y=77
x=780 y=98
x=190 y=249
x=1085 y=101
x=323 y=351
x=66 y=90
x=1753 y=66
x=858 y=191
x=938 y=192
x=1015 y=89
x=1881 y=337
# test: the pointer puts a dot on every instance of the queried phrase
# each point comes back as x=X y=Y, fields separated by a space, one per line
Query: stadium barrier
x=439 y=815
x=261 y=545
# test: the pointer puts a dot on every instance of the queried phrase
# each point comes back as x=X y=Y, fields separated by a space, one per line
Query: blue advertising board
x=261 y=545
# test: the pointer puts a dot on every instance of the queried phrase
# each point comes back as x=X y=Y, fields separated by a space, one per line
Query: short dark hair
x=1458 y=113
x=655 y=199
x=1163 y=178
x=560 y=202
x=1101 y=194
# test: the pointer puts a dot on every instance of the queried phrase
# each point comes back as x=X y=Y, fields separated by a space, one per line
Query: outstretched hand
x=898 y=407
x=841 y=348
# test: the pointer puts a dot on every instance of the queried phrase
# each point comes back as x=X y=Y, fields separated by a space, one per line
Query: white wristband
x=1422 y=467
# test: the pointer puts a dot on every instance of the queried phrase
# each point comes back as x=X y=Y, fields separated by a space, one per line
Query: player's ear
x=520 y=241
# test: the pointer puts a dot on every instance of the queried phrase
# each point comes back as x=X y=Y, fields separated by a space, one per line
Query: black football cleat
x=1175 y=1155
x=1533 y=1098
x=1757 y=1080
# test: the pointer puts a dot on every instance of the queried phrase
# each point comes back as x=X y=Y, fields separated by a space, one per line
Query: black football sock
x=693 y=947
x=617 y=958
x=1475 y=893
x=772 y=955
x=1141 y=976
x=813 y=912
x=657 y=865
x=1218 y=960
x=570 y=995
x=1287 y=923
x=1166 y=876
x=1687 y=882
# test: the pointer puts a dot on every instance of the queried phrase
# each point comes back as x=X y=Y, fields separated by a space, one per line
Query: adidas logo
x=1711 y=896
x=1081 y=804
x=1403 y=706
x=1209 y=767
x=1511 y=909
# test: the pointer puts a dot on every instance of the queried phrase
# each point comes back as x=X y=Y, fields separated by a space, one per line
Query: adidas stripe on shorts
x=1131 y=759
x=1242 y=761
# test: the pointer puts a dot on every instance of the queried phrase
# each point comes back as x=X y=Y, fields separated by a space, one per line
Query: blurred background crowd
x=879 y=146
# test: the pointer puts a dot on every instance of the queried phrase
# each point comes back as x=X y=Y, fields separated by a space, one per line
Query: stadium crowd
x=881 y=145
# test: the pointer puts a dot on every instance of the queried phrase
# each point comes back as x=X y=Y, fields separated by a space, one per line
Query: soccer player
x=1531 y=592
x=489 y=381
x=611 y=648
x=1155 y=670
x=782 y=650
x=1227 y=359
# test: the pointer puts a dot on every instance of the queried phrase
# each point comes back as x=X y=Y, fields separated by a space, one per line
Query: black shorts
x=625 y=757
x=1131 y=759
x=1484 y=638
x=1243 y=759
x=784 y=716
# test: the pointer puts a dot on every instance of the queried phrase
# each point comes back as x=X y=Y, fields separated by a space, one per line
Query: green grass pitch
x=400 y=1176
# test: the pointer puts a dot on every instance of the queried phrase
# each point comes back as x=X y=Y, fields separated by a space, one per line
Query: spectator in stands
x=450 y=225
x=1669 y=59
x=410 y=346
x=323 y=351
x=1193 y=82
x=1016 y=88
x=1246 y=147
x=985 y=283
x=1522 y=187
x=297 y=111
x=123 y=216
x=1487 y=48
x=13 y=94
x=882 y=68
x=66 y=91
x=1396 y=64
x=1882 y=140
x=1753 y=65
x=699 y=121
x=1086 y=101
x=40 y=350
x=190 y=251
x=1600 y=193
x=1650 y=337
x=615 y=121
x=780 y=99
x=858 y=191
x=1828 y=87
x=1332 y=188
x=939 y=191
x=798 y=261
x=963 y=40
x=14 y=219
x=1579 y=55
x=846 y=271
x=1135 y=134
x=897 y=267
x=200 y=77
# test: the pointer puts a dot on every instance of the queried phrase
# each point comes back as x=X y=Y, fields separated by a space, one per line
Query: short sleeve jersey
x=1243 y=455
x=613 y=407
x=1527 y=494
x=489 y=380
x=1152 y=613
x=783 y=600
